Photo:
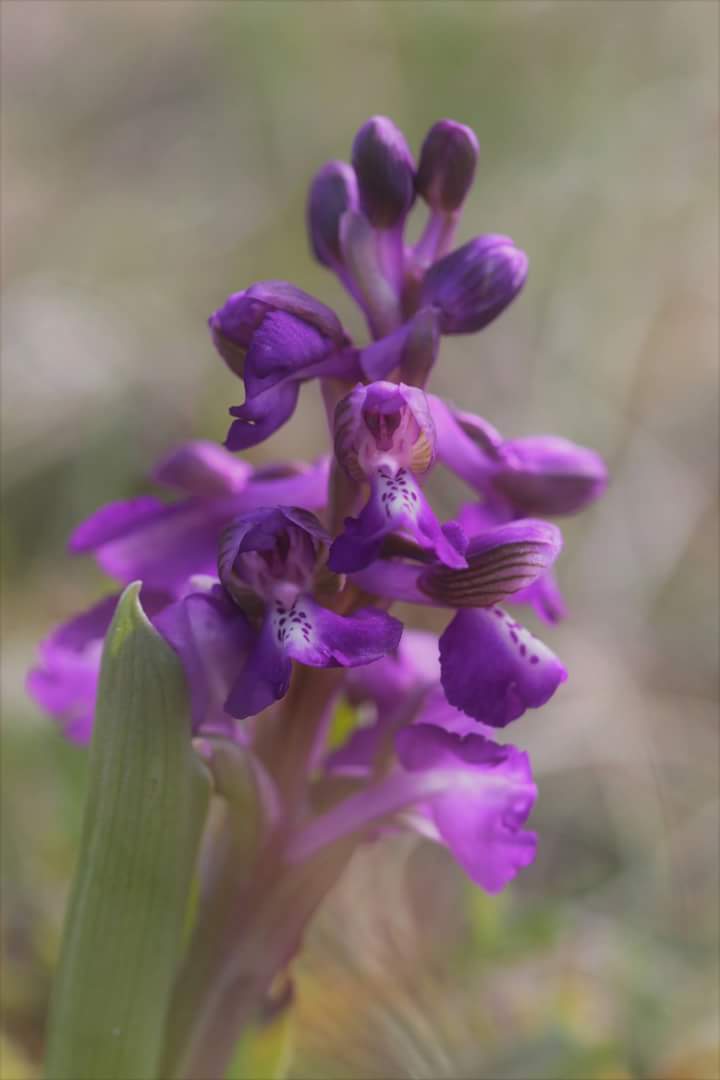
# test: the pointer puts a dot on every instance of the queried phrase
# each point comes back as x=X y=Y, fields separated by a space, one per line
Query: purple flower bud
x=473 y=284
x=332 y=192
x=546 y=474
x=447 y=165
x=384 y=423
x=385 y=171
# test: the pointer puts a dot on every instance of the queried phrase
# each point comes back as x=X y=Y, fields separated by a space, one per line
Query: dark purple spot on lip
x=500 y=614
x=514 y=636
x=534 y=659
x=523 y=650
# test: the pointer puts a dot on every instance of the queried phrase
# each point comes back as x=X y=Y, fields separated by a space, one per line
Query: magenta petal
x=396 y=504
x=545 y=598
x=115 y=519
x=412 y=667
x=480 y=816
x=265 y=676
x=546 y=474
x=211 y=635
x=262 y=415
x=64 y=682
x=203 y=468
x=315 y=636
x=282 y=345
x=494 y=669
x=178 y=542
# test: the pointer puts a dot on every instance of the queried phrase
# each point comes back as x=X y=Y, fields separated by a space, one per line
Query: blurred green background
x=155 y=158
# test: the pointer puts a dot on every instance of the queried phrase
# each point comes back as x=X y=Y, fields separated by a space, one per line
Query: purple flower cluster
x=250 y=574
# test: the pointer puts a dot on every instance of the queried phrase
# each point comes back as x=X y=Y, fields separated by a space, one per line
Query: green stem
x=250 y=924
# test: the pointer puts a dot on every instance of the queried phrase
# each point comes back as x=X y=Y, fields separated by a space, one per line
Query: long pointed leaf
x=146 y=805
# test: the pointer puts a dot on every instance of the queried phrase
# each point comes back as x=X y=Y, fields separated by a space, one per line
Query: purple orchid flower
x=275 y=337
x=164 y=544
x=511 y=670
x=466 y=792
x=426 y=766
x=384 y=434
x=271 y=556
x=544 y=474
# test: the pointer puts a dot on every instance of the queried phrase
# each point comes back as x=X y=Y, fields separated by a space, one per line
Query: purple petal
x=545 y=597
x=394 y=579
x=288 y=298
x=164 y=550
x=114 y=520
x=481 y=815
x=396 y=504
x=203 y=468
x=500 y=562
x=438 y=712
x=315 y=636
x=282 y=346
x=265 y=677
x=64 y=682
x=296 y=484
x=413 y=666
x=473 y=459
x=546 y=474
x=261 y=417
x=211 y=635
x=494 y=669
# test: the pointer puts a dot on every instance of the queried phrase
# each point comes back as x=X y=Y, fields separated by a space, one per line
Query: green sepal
x=146 y=806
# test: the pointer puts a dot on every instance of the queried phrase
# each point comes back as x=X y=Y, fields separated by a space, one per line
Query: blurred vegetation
x=155 y=158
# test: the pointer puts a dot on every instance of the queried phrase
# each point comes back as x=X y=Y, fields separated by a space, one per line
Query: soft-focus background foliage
x=155 y=158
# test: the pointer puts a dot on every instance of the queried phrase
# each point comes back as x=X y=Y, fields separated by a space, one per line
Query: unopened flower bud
x=546 y=474
x=332 y=193
x=447 y=165
x=472 y=285
x=385 y=171
x=384 y=423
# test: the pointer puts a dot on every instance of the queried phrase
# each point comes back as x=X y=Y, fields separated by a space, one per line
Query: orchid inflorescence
x=273 y=584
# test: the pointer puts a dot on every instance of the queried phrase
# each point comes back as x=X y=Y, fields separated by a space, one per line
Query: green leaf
x=146 y=806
